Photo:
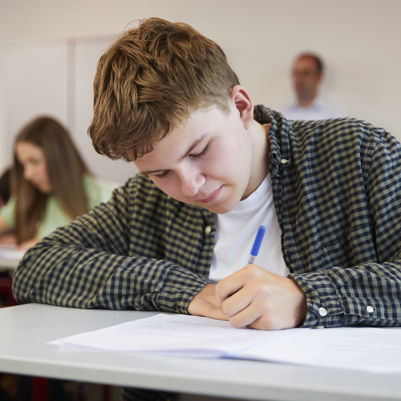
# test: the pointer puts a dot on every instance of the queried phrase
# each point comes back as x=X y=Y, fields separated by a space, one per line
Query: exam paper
x=374 y=349
x=361 y=348
x=174 y=334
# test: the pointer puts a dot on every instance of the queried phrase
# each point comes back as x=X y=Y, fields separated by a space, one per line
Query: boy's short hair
x=149 y=81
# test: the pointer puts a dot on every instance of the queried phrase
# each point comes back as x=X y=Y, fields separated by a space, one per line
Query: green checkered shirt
x=337 y=192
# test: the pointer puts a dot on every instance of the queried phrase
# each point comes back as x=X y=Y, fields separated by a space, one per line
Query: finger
x=208 y=310
x=236 y=302
x=247 y=316
x=231 y=284
x=228 y=286
x=264 y=323
x=216 y=313
x=202 y=307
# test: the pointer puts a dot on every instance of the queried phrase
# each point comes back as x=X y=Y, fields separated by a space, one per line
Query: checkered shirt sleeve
x=141 y=250
x=337 y=187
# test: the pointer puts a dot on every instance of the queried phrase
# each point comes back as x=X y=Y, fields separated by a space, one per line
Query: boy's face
x=206 y=161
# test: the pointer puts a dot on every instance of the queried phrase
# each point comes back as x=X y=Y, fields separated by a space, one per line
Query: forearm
x=97 y=261
x=121 y=255
x=88 y=278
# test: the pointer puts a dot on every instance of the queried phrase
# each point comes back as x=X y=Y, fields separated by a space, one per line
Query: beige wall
x=359 y=39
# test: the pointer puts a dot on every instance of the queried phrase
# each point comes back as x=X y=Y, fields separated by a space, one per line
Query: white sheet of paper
x=10 y=252
x=361 y=348
x=10 y=256
x=183 y=334
x=374 y=349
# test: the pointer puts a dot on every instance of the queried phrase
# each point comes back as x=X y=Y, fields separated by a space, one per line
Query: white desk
x=25 y=330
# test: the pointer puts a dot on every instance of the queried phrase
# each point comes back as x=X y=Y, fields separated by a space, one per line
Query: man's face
x=306 y=78
x=205 y=161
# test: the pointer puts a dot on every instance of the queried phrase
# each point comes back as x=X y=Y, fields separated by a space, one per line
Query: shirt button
x=370 y=309
x=283 y=161
x=208 y=229
x=322 y=312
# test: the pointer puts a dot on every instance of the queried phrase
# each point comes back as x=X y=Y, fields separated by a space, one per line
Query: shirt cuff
x=325 y=308
x=179 y=288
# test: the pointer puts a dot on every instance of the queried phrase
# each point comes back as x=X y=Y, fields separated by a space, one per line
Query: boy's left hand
x=205 y=304
x=256 y=298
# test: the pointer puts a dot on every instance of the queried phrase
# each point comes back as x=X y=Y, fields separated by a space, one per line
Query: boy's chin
x=220 y=208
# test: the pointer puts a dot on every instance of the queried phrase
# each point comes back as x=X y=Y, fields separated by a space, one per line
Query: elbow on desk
x=24 y=279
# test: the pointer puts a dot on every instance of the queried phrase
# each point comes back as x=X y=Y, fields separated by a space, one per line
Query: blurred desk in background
x=9 y=259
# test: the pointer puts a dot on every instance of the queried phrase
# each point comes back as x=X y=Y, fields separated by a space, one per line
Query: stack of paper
x=375 y=349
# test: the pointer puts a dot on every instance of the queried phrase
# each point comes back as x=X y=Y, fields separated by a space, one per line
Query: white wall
x=359 y=40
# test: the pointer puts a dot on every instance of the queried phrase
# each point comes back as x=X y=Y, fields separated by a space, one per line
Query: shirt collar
x=279 y=136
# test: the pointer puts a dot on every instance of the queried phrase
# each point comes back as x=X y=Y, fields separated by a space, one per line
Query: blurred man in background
x=307 y=75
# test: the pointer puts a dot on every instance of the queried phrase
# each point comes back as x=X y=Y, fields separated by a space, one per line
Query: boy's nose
x=191 y=182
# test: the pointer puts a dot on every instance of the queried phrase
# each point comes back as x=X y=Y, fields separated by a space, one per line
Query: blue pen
x=256 y=244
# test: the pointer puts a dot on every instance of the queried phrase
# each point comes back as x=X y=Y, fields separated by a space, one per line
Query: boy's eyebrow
x=189 y=150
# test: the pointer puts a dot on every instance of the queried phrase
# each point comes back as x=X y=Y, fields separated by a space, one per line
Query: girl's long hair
x=65 y=169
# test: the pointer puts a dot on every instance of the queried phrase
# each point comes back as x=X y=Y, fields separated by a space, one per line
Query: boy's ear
x=243 y=103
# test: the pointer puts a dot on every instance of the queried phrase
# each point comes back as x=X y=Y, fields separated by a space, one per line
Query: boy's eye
x=203 y=151
x=160 y=175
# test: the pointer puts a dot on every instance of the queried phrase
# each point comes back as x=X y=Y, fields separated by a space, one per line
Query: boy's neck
x=260 y=164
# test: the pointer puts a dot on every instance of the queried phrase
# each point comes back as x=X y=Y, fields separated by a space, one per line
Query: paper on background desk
x=9 y=252
x=10 y=256
x=374 y=349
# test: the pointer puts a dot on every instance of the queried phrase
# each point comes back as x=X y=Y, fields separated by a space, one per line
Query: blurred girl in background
x=50 y=182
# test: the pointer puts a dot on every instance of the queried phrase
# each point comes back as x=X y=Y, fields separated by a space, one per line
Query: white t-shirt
x=236 y=231
x=318 y=110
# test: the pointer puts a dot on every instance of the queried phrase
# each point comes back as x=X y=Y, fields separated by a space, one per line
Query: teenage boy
x=213 y=167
